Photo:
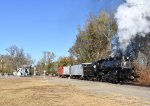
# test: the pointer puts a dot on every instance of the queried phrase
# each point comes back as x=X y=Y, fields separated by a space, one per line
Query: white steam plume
x=133 y=19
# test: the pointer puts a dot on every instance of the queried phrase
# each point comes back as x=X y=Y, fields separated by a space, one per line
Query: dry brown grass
x=144 y=77
x=37 y=92
x=143 y=73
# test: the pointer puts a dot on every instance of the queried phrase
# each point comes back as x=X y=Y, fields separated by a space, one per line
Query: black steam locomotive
x=114 y=69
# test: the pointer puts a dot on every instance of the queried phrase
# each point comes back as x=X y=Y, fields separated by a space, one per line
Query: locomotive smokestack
x=133 y=19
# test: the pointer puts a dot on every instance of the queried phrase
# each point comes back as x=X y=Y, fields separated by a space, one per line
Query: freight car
x=61 y=71
x=67 y=71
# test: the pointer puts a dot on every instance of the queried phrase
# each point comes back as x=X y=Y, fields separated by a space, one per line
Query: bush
x=143 y=73
x=144 y=77
x=8 y=71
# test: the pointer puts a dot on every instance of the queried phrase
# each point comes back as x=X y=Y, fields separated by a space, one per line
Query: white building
x=25 y=71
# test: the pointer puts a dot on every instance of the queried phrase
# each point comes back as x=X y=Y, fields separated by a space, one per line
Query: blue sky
x=46 y=25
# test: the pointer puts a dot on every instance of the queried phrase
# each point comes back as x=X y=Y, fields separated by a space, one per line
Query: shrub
x=144 y=77
x=143 y=73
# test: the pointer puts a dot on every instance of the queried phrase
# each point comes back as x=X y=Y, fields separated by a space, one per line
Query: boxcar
x=76 y=71
x=67 y=71
x=61 y=71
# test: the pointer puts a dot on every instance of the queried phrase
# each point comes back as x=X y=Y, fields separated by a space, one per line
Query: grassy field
x=39 y=92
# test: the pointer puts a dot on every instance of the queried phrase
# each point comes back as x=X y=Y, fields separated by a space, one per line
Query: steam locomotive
x=112 y=69
x=115 y=70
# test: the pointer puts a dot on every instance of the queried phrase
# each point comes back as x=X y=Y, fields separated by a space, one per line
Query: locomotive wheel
x=103 y=79
x=99 y=78
x=115 y=81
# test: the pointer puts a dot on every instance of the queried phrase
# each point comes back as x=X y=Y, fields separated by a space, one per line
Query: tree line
x=14 y=58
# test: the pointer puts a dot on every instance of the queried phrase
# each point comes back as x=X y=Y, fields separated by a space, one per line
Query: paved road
x=101 y=88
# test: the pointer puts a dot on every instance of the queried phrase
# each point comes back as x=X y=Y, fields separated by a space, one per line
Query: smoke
x=133 y=19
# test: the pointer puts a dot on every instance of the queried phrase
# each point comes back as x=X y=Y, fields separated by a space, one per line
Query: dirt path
x=55 y=91
x=120 y=93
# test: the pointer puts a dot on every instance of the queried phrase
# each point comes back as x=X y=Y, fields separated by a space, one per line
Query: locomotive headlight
x=124 y=65
x=132 y=77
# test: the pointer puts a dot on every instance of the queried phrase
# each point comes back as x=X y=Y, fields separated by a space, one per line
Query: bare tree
x=18 y=57
x=46 y=62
